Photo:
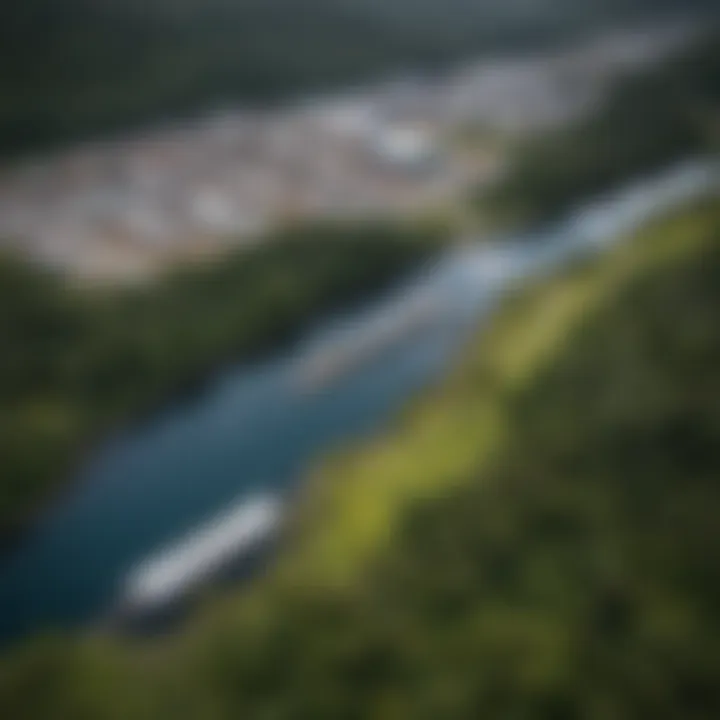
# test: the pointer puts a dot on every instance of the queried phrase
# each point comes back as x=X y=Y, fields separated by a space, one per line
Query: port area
x=233 y=545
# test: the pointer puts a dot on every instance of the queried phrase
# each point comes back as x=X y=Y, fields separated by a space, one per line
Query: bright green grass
x=355 y=499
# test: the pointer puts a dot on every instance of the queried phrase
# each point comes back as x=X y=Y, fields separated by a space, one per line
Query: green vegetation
x=650 y=120
x=78 y=68
x=76 y=363
x=537 y=540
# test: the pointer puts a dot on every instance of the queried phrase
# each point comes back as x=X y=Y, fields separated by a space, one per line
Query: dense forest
x=77 y=362
x=650 y=120
x=566 y=568
x=79 y=68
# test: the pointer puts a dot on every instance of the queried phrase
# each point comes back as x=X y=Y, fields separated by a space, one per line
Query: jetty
x=357 y=346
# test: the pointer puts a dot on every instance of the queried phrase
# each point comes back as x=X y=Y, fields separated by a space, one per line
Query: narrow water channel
x=254 y=430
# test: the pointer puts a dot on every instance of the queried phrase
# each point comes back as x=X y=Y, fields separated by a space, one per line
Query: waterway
x=255 y=429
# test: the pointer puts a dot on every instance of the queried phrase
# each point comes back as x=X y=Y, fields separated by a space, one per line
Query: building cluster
x=234 y=175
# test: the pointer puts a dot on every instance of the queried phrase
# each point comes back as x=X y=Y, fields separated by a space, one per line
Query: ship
x=171 y=574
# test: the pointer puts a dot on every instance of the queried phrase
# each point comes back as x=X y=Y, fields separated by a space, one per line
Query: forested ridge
x=567 y=570
x=74 y=69
x=650 y=120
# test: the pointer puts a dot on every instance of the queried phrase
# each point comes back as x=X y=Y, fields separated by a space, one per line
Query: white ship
x=176 y=570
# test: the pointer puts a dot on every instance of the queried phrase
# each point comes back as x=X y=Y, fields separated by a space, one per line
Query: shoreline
x=71 y=478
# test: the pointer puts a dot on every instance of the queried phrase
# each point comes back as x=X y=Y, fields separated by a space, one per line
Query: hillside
x=650 y=120
x=537 y=539
x=79 y=68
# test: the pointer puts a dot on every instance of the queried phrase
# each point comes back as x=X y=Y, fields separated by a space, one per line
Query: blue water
x=252 y=430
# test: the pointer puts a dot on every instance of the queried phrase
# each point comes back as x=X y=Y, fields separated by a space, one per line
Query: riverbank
x=463 y=425
x=80 y=363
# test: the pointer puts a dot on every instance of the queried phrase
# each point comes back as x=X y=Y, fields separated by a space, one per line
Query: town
x=414 y=143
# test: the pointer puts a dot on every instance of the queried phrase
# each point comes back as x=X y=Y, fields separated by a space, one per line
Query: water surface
x=253 y=431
